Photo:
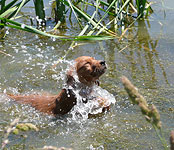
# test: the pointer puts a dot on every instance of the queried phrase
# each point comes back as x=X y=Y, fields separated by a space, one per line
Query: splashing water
x=90 y=104
x=81 y=110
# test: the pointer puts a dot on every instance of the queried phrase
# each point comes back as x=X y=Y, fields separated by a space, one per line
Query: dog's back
x=50 y=104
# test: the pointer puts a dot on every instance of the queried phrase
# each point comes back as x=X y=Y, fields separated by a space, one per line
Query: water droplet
x=23 y=26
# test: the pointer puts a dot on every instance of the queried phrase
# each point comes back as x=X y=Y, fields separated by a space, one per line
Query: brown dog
x=82 y=77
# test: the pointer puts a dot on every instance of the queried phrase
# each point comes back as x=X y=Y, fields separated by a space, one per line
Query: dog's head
x=88 y=70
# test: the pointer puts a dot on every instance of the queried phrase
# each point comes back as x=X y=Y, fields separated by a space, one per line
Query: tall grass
x=90 y=25
x=150 y=112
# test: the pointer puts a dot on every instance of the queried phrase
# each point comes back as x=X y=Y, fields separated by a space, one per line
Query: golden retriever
x=83 y=75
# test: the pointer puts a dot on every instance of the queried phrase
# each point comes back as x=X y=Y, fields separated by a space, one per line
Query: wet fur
x=88 y=71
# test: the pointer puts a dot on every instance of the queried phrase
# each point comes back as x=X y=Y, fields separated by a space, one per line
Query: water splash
x=82 y=110
x=89 y=99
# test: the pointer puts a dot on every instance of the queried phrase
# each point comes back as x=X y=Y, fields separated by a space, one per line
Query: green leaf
x=20 y=6
x=27 y=28
x=8 y=12
x=10 y=5
x=2 y=6
x=17 y=5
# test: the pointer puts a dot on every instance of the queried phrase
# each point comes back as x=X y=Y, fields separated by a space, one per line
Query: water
x=145 y=56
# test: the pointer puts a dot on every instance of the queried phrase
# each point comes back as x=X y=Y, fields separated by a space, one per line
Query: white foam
x=81 y=110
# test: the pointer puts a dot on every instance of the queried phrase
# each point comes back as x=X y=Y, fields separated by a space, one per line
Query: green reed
x=150 y=112
x=60 y=11
x=40 y=12
x=116 y=10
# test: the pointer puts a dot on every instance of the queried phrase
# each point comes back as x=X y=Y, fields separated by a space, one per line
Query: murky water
x=145 y=57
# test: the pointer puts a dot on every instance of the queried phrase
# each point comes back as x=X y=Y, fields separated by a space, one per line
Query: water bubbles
x=5 y=91
x=56 y=77
x=52 y=48
x=23 y=26
x=7 y=32
x=39 y=20
x=36 y=46
x=40 y=56
x=23 y=47
x=91 y=147
x=16 y=50
x=29 y=58
x=36 y=36
x=70 y=48
x=39 y=49
x=118 y=107
x=92 y=106
x=54 y=39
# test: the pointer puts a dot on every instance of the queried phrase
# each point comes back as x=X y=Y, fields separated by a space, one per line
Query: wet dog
x=82 y=76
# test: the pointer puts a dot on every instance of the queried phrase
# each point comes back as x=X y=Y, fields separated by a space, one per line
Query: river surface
x=145 y=56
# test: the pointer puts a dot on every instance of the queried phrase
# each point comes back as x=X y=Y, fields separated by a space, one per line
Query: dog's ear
x=81 y=64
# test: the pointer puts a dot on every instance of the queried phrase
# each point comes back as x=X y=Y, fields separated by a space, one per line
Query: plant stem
x=163 y=141
x=40 y=12
x=60 y=11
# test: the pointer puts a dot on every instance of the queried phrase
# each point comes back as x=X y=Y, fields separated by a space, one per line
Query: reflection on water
x=147 y=60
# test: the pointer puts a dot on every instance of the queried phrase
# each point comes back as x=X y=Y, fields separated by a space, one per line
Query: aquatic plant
x=151 y=113
x=8 y=130
x=15 y=127
x=40 y=13
x=91 y=25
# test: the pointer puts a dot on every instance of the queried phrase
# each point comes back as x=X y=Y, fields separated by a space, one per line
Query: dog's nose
x=103 y=63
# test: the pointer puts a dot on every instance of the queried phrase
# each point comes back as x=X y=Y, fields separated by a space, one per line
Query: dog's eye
x=87 y=63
